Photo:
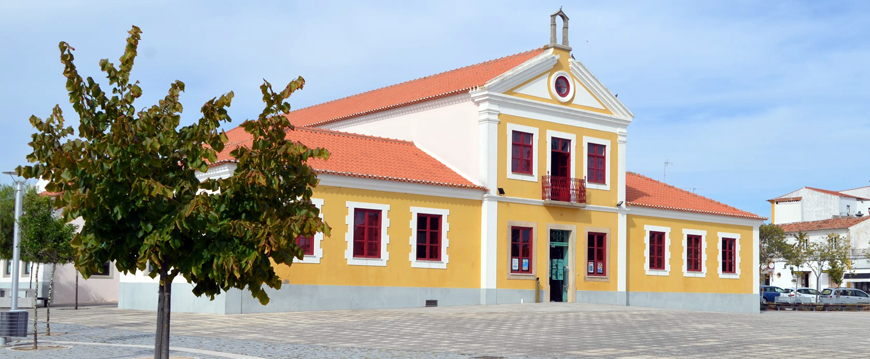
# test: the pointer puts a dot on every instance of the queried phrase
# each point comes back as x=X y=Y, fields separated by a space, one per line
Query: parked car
x=769 y=293
x=844 y=296
x=799 y=295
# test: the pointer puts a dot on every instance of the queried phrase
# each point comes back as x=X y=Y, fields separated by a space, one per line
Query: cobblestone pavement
x=549 y=330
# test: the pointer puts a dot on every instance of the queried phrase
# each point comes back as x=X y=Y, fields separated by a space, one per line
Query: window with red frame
x=367 y=233
x=729 y=255
x=596 y=163
x=693 y=253
x=521 y=250
x=597 y=254
x=429 y=237
x=521 y=153
x=307 y=245
x=563 y=87
x=657 y=250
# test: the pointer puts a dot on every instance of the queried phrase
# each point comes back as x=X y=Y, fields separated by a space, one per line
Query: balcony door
x=560 y=168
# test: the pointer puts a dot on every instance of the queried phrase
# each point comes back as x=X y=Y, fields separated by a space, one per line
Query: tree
x=45 y=239
x=820 y=257
x=772 y=245
x=7 y=220
x=131 y=175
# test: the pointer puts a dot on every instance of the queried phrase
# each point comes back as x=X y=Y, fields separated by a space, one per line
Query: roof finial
x=553 y=42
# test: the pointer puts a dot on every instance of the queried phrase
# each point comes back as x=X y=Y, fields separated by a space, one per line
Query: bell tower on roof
x=553 y=40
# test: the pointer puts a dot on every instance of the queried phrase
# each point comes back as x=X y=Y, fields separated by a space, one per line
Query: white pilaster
x=622 y=231
x=488 y=154
x=755 y=261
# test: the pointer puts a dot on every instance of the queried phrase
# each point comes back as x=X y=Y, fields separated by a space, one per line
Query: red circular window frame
x=565 y=84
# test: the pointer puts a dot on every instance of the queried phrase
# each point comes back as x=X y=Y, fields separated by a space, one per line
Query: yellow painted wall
x=638 y=281
x=463 y=268
x=544 y=215
x=527 y=189
x=562 y=65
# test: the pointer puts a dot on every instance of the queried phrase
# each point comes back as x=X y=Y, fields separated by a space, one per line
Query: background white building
x=818 y=213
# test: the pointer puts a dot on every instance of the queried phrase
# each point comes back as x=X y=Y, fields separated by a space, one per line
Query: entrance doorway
x=559 y=270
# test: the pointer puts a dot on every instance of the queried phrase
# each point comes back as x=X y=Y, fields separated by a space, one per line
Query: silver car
x=800 y=295
x=844 y=296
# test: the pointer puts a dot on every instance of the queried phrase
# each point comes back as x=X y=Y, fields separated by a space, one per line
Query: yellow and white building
x=500 y=182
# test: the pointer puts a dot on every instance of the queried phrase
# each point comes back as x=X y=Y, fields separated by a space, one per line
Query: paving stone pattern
x=550 y=330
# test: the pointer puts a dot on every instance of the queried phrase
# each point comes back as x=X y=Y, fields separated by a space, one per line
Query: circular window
x=563 y=87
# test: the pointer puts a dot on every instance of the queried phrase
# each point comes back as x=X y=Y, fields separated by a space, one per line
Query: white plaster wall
x=787 y=212
x=848 y=206
x=863 y=192
x=94 y=290
x=445 y=128
x=817 y=206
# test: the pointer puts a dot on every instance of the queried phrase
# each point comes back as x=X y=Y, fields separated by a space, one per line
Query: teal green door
x=559 y=273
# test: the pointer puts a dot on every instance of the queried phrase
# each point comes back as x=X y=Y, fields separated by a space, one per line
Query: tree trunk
x=48 y=303
x=167 y=306
x=158 y=337
x=77 y=289
x=164 y=301
x=35 y=312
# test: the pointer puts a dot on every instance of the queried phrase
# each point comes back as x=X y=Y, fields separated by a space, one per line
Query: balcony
x=563 y=191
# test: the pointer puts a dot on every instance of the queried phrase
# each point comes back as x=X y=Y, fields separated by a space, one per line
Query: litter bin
x=13 y=323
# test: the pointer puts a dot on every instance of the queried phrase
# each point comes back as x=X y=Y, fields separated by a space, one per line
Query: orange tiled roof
x=363 y=156
x=835 y=193
x=647 y=192
x=430 y=87
x=833 y=223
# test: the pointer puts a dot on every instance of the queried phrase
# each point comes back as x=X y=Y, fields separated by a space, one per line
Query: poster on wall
x=600 y=267
x=590 y=268
x=515 y=264
x=525 y=264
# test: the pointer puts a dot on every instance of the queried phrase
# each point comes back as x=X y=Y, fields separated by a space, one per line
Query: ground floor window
x=728 y=255
x=693 y=253
x=521 y=250
x=596 y=254
x=367 y=233
x=306 y=244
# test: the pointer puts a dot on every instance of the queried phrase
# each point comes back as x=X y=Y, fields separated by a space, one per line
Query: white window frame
x=703 y=234
x=598 y=141
x=535 y=138
x=445 y=242
x=567 y=136
x=318 y=251
x=736 y=274
x=385 y=238
x=667 y=231
x=572 y=86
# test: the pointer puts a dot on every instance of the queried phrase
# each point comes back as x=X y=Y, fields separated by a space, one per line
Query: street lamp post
x=16 y=244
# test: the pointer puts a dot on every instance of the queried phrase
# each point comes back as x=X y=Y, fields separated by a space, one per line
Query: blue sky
x=749 y=100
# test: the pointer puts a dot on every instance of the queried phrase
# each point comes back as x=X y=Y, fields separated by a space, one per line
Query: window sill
x=428 y=264
x=357 y=261
x=309 y=259
x=522 y=177
x=596 y=278
x=729 y=276
x=658 y=272
x=600 y=186
x=695 y=274
x=522 y=276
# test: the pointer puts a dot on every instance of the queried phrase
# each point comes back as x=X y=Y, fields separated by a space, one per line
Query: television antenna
x=665 y=175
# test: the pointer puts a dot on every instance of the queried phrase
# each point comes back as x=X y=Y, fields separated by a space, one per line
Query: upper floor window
x=729 y=257
x=306 y=244
x=521 y=152
x=596 y=162
x=563 y=87
x=428 y=237
x=657 y=250
x=693 y=253
x=367 y=233
x=367 y=236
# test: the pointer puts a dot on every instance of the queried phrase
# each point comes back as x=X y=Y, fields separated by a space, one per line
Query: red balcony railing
x=563 y=189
